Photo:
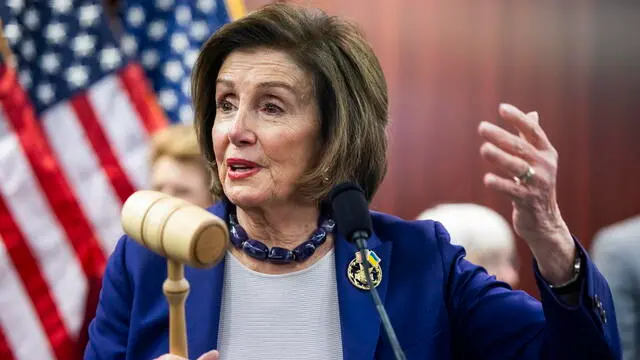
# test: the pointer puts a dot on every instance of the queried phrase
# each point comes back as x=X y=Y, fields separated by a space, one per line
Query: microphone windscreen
x=350 y=210
x=175 y=228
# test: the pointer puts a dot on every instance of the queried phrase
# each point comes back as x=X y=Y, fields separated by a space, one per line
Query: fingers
x=211 y=355
x=528 y=125
x=533 y=116
x=170 y=357
x=504 y=161
x=505 y=186
x=507 y=141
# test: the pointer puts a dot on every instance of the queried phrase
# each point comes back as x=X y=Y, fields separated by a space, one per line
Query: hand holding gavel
x=184 y=234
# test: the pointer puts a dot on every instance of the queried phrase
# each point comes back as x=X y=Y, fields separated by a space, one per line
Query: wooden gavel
x=184 y=234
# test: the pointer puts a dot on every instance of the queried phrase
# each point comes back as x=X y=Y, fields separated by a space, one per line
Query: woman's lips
x=241 y=168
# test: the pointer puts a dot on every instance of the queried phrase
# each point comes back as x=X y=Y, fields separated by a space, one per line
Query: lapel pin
x=356 y=274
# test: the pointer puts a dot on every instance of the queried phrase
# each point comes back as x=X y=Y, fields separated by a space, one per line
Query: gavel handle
x=176 y=290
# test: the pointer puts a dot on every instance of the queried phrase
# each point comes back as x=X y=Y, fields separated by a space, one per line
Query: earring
x=325 y=176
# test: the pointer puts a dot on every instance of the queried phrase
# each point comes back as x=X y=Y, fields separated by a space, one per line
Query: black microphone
x=351 y=214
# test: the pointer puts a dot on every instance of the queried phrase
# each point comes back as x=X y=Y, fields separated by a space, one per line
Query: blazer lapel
x=359 y=318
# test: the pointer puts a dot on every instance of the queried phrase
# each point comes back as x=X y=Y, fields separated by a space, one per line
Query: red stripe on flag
x=28 y=269
x=5 y=350
x=143 y=99
x=60 y=196
x=101 y=146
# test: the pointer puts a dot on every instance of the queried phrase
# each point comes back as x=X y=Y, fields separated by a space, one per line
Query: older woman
x=483 y=233
x=290 y=102
x=177 y=166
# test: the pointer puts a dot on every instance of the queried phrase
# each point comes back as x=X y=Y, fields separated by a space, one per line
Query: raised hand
x=525 y=170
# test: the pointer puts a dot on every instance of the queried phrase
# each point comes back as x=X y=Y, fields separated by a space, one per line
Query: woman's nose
x=241 y=132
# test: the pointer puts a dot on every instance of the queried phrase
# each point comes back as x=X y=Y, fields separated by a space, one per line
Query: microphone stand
x=360 y=238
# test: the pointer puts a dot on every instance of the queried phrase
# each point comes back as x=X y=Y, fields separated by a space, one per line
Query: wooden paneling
x=450 y=63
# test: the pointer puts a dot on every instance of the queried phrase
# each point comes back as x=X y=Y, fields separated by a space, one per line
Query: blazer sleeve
x=491 y=321
x=109 y=330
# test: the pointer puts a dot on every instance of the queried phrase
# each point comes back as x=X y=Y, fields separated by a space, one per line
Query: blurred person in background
x=177 y=166
x=616 y=250
x=485 y=235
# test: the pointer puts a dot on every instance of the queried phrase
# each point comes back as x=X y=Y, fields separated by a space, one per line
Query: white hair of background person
x=477 y=228
x=486 y=236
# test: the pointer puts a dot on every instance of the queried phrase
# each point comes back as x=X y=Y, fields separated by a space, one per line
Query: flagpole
x=5 y=50
x=236 y=9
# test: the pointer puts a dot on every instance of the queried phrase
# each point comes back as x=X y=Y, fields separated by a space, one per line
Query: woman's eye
x=272 y=109
x=225 y=106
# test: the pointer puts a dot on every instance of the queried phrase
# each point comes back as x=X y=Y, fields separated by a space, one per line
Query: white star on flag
x=110 y=58
x=89 y=14
x=56 y=33
x=45 y=93
x=83 y=45
x=77 y=75
x=50 y=62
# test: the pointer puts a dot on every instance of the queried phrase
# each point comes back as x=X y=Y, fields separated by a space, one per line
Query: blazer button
x=597 y=303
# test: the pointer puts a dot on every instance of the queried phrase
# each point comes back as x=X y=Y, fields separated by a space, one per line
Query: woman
x=485 y=235
x=177 y=167
x=290 y=102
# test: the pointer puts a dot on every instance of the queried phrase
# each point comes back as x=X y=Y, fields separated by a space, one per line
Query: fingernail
x=507 y=107
x=535 y=117
x=485 y=124
x=488 y=179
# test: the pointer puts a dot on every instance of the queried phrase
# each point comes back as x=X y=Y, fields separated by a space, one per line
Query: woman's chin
x=245 y=197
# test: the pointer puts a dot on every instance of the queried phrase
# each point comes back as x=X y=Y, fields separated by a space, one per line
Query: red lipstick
x=241 y=168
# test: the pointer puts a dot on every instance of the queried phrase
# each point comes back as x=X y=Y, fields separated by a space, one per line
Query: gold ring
x=526 y=177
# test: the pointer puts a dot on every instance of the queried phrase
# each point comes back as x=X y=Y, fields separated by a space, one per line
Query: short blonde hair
x=176 y=141
x=179 y=142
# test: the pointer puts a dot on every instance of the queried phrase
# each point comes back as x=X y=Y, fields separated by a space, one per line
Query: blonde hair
x=176 y=141
x=179 y=142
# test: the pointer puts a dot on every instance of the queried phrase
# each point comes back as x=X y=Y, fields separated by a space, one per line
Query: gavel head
x=175 y=228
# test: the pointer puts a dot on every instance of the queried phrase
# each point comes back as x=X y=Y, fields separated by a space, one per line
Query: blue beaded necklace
x=277 y=255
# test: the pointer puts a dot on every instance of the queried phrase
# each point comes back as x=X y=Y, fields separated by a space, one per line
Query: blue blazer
x=441 y=306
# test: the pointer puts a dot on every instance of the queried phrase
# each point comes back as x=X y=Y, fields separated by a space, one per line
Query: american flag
x=75 y=118
x=165 y=35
